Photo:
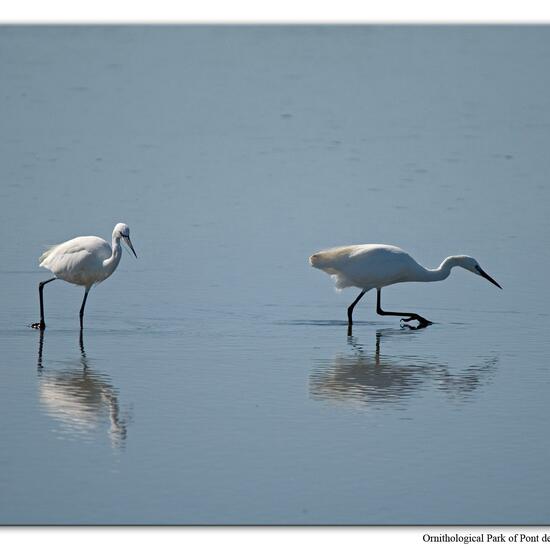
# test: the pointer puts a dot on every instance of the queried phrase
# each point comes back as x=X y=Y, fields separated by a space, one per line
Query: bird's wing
x=75 y=254
x=364 y=266
x=381 y=265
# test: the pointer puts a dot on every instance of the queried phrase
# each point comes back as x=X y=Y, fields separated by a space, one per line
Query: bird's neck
x=111 y=263
x=439 y=273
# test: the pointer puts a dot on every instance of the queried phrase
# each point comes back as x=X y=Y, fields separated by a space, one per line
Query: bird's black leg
x=350 y=311
x=42 y=325
x=82 y=308
x=422 y=323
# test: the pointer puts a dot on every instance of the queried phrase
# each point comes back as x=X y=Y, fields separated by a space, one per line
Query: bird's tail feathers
x=45 y=254
x=320 y=260
x=315 y=260
x=325 y=261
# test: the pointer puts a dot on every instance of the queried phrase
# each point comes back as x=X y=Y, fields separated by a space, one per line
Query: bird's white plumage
x=79 y=261
x=366 y=266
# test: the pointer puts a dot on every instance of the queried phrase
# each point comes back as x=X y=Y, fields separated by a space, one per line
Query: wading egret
x=369 y=266
x=83 y=261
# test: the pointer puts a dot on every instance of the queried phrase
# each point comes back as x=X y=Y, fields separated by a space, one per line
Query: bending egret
x=83 y=261
x=369 y=266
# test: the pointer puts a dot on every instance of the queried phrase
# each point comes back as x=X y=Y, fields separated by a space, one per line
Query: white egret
x=83 y=261
x=369 y=266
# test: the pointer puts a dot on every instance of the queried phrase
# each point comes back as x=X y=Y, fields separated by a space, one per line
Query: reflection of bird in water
x=81 y=399
x=364 y=379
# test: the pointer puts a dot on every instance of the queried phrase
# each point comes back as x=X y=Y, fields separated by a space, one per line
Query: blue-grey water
x=214 y=381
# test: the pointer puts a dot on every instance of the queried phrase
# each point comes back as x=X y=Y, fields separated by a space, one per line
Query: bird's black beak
x=129 y=243
x=488 y=277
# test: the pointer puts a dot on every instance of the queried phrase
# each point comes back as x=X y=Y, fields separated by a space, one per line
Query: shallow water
x=214 y=381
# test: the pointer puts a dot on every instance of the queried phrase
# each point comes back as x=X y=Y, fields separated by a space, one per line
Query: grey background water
x=216 y=383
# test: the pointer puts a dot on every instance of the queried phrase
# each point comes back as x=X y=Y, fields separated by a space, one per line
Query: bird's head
x=122 y=231
x=471 y=264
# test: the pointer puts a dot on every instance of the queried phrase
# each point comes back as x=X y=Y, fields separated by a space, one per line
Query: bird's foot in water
x=41 y=325
x=422 y=323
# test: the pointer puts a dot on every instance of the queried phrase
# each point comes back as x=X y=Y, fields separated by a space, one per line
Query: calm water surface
x=214 y=381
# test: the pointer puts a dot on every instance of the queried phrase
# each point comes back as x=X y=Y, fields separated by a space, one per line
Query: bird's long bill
x=488 y=277
x=129 y=243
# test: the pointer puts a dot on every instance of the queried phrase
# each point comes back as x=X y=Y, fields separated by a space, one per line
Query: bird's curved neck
x=111 y=263
x=439 y=273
